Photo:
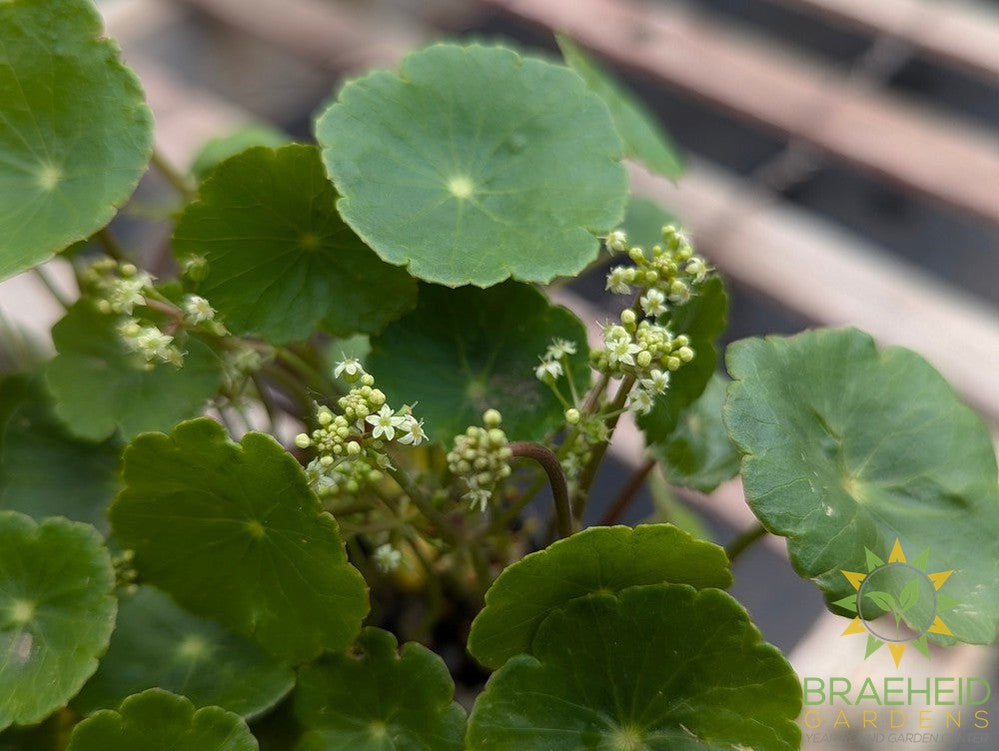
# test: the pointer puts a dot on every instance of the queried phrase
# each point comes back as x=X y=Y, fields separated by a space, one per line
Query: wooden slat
x=964 y=35
x=946 y=159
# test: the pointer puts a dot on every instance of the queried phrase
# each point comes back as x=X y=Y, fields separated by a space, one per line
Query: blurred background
x=842 y=168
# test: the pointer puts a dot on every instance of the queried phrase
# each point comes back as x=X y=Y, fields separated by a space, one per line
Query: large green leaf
x=644 y=139
x=57 y=612
x=233 y=532
x=100 y=387
x=599 y=559
x=699 y=453
x=656 y=668
x=465 y=350
x=703 y=318
x=45 y=471
x=157 y=720
x=216 y=150
x=156 y=644
x=75 y=132
x=372 y=699
x=475 y=164
x=280 y=258
x=849 y=448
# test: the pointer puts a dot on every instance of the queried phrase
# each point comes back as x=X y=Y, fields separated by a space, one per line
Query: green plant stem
x=745 y=540
x=265 y=399
x=111 y=245
x=313 y=378
x=174 y=176
x=435 y=590
x=502 y=520
x=553 y=468
x=590 y=470
x=628 y=493
x=43 y=276
x=425 y=505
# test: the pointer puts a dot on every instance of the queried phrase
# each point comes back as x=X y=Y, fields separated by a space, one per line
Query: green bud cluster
x=590 y=430
x=481 y=458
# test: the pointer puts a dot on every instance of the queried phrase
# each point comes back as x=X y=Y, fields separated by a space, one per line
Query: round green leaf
x=849 y=448
x=599 y=559
x=57 y=612
x=157 y=720
x=475 y=164
x=658 y=668
x=644 y=139
x=372 y=699
x=156 y=644
x=465 y=350
x=280 y=258
x=699 y=453
x=217 y=150
x=703 y=318
x=46 y=471
x=75 y=131
x=100 y=387
x=234 y=533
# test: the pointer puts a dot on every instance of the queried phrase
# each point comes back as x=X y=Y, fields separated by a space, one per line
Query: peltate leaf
x=75 y=131
x=157 y=720
x=233 y=532
x=644 y=139
x=46 y=471
x=599 y=559
x=848 y=448
x=157 y=644
x=98 y=386
x=57 y=612
x=465 y=350
x=703 y=318
x=280 y=258
x=660 y=668
x=372 y=698
x=698 y=453
x=474 y=164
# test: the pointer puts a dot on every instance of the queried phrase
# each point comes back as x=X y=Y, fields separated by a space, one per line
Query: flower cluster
x=670 y=274
x=554 y=362
x=481 y=458
x=587 y=431
x=350 y=444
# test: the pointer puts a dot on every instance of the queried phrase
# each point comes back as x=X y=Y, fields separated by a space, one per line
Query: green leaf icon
x=884 y=600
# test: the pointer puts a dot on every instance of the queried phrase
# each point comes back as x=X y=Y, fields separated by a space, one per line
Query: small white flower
x=656 y=383
x=412 y=431
x=641 y=402
x=548 y=369
x=197 y=310
x=125 y=294
x=560 y=348
x=616 y=241
x=679 y=292
x=349 y=365
x=152 y=342
x=387 y=558
x=385 y=422
x=620 y=347
x=478 y=499
x=653 y=303
x=619 y=278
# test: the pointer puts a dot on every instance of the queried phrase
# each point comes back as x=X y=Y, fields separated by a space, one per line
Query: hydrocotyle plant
x=343 y=413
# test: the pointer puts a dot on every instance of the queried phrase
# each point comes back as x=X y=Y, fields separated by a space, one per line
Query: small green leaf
x=45 y=471
x=157 y=720
x=372 y=698
x=848 y=448
x=75 y=131
x=909 y=596
x=660 y=668
x=703 y=318
x=98 y=386
x=57 y=612
x=644 y=139
x=883 y=600
x=156 y=644
x=475 y=164
x=233 y=532
x=599 y=559
x=644 y=222
x=280 y=258
x=699 y=454
x=217 y=150
x=466 y=350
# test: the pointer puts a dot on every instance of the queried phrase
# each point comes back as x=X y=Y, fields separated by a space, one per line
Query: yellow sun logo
x=897 y=603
